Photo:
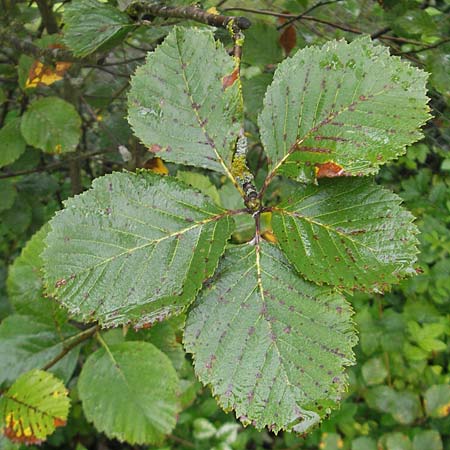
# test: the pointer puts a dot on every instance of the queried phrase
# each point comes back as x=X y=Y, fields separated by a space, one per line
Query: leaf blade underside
x=180 y=109
x=272 y=346
x=351 y=104
x=350 y=233
x=132 y=249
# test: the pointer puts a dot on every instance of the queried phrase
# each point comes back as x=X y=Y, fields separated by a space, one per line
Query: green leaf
x=200 y=182
x=364 y=443
x=129 y=391
x=203 y=429
x=12 y=142
x=30 y=342
x=261 y=46
x=91 y=25
x=374 y=371
x=437 y=401
x=396 y=441
x=134 y=248
x=179 y=109
x=427 y=439
x=272 y=346
x=24 y=282
x=52 y=125
x=347 y=232
x=33 y=407
x=253 y=91
x=352 y=104
x=403 y=406
x=163 y=336
x=9 y=195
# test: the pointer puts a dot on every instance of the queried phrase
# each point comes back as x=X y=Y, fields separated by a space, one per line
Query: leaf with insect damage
x=350 y=104
x=133 y=249
x=272 y=346
x=33 y=407
x=129 y=391
x=347 y=232
x=183 y=111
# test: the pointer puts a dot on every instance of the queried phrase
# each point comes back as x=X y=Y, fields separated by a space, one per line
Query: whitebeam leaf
x=272 y=346
x=129 y=391
x=180 y=110
x=133 y=249
x=347 y=232
x=351 y=104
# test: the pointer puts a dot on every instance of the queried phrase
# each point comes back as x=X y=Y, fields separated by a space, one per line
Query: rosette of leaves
x=268 y=325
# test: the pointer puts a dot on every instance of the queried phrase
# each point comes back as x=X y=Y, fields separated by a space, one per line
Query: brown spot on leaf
x=60 y=283
x=330 y=170
x=59 y=422
x=155 y=148
x=228 y=80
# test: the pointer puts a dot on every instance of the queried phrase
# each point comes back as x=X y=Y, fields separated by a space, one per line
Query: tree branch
x=48 y=18
x=56 y=165
x=47 y=55
x=74 y=341
x=137 y=9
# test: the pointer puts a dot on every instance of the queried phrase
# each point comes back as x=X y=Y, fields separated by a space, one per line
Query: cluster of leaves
x=398 y=393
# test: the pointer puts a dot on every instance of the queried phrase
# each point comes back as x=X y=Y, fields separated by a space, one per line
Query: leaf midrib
x=159 y=240
x=299 y=141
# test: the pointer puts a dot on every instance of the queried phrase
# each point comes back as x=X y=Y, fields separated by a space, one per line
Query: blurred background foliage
x=62 y=124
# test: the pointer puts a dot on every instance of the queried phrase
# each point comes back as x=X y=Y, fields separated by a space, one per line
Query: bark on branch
x=137 y=9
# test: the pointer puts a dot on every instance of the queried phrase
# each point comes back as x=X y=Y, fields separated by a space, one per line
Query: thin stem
x=307 y=11
x=56 y=165
x=426 y=48
x=74 y=341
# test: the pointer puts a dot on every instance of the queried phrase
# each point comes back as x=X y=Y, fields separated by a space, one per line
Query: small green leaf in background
x=200 y=182
x=261 y=46
x=52 y=125
x=364 y=443
x=396 y=441
x=33 y=407
x=331 y=441
x=133 y=249
x=427 y=440
x=8 y=195
x=374 y=371
x=129 y=391
x=403 y=406
x=12 y=144
x=29 y=342
x=181 y=111
x=24 y=282
x=203 y=429
x=90 y=25
x=437 y=400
